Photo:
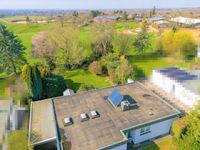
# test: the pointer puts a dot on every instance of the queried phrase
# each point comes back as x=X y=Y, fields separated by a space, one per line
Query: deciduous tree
x=44 y=47
x=180 y=43
x=122 y=43
x=187 y=131
x=71 y=49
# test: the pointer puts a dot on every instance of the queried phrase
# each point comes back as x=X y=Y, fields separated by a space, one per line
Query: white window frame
x=145 y=130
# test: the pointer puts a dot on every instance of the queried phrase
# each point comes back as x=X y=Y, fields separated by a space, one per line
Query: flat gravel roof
x=42 y=123
x=105 y=130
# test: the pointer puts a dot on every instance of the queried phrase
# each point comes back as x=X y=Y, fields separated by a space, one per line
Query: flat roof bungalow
x=103 y=119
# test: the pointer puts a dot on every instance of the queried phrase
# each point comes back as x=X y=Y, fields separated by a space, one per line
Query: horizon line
x=98 y=8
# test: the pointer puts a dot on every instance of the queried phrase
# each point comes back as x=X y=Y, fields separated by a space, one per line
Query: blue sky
x=95 y=4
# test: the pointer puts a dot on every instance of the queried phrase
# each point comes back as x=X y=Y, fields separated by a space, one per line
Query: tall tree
x=11 y=50
x=101 y=47
x=95 y=13
x=122 y=43
x=71 y=49
x=32 y=77
x=154 y=10
x=180 y=43
x=75 y=14
x=142 y=40
x=101 y=36
x=125 y=16
x=44 y=47
x=28 y=21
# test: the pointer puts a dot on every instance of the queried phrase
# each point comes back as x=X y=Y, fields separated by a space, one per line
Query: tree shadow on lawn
x=139 y=73
x=72 y=85
x=148 y=145
x=145 y=57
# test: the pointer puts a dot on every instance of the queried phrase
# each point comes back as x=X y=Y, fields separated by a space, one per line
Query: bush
x=107 y=61
x=119 y=71
x=111 y=67
x=179 y=127
x=53 y=85
x=17 y=140
x=95 y=68
x=123 y=71
x=84 y=87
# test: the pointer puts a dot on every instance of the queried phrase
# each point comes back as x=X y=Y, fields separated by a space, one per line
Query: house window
x=145 y=130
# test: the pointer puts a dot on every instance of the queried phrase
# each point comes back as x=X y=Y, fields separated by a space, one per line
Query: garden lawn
x=164 y=143
x=146 y=63
x=78 y=76
x=4 y=84
x=120 y=26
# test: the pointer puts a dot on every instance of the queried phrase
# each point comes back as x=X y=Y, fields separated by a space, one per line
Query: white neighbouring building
x=186 y=21
x=179 y=83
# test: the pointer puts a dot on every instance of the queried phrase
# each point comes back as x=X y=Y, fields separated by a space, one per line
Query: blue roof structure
x=156 y=19
x=178 y=74
x=115 y=98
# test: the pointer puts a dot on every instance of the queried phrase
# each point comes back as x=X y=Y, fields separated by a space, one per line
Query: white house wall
x=187 y=97
x=157 y=129
x=120 y=147
x=174 y=88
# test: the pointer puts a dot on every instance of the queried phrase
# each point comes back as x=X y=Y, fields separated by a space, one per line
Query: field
x=145 y=62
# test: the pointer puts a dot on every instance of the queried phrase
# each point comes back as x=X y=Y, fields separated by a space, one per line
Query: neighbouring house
x=181 y=84
x=158 y=20
x=100 y=119
x=68 y=92
x=186 y=21
x=11 y=118
x=138 y=18
x=106 y=18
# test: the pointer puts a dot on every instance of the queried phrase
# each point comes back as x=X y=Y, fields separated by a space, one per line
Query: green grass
x=78 y=76
x=4 y=84
x=146 y=63
x=164 y=143
x=126 y=25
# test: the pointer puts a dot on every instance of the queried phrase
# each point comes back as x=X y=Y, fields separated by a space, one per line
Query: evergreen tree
x=142 y=40
x=154 y=10
x=11 y=50
x=75 y=14
x=32 y=77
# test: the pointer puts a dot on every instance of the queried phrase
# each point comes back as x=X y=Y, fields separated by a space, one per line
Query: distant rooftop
x=109 y=127
x=106 y=17
x=156 y=19
x=185 y=20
